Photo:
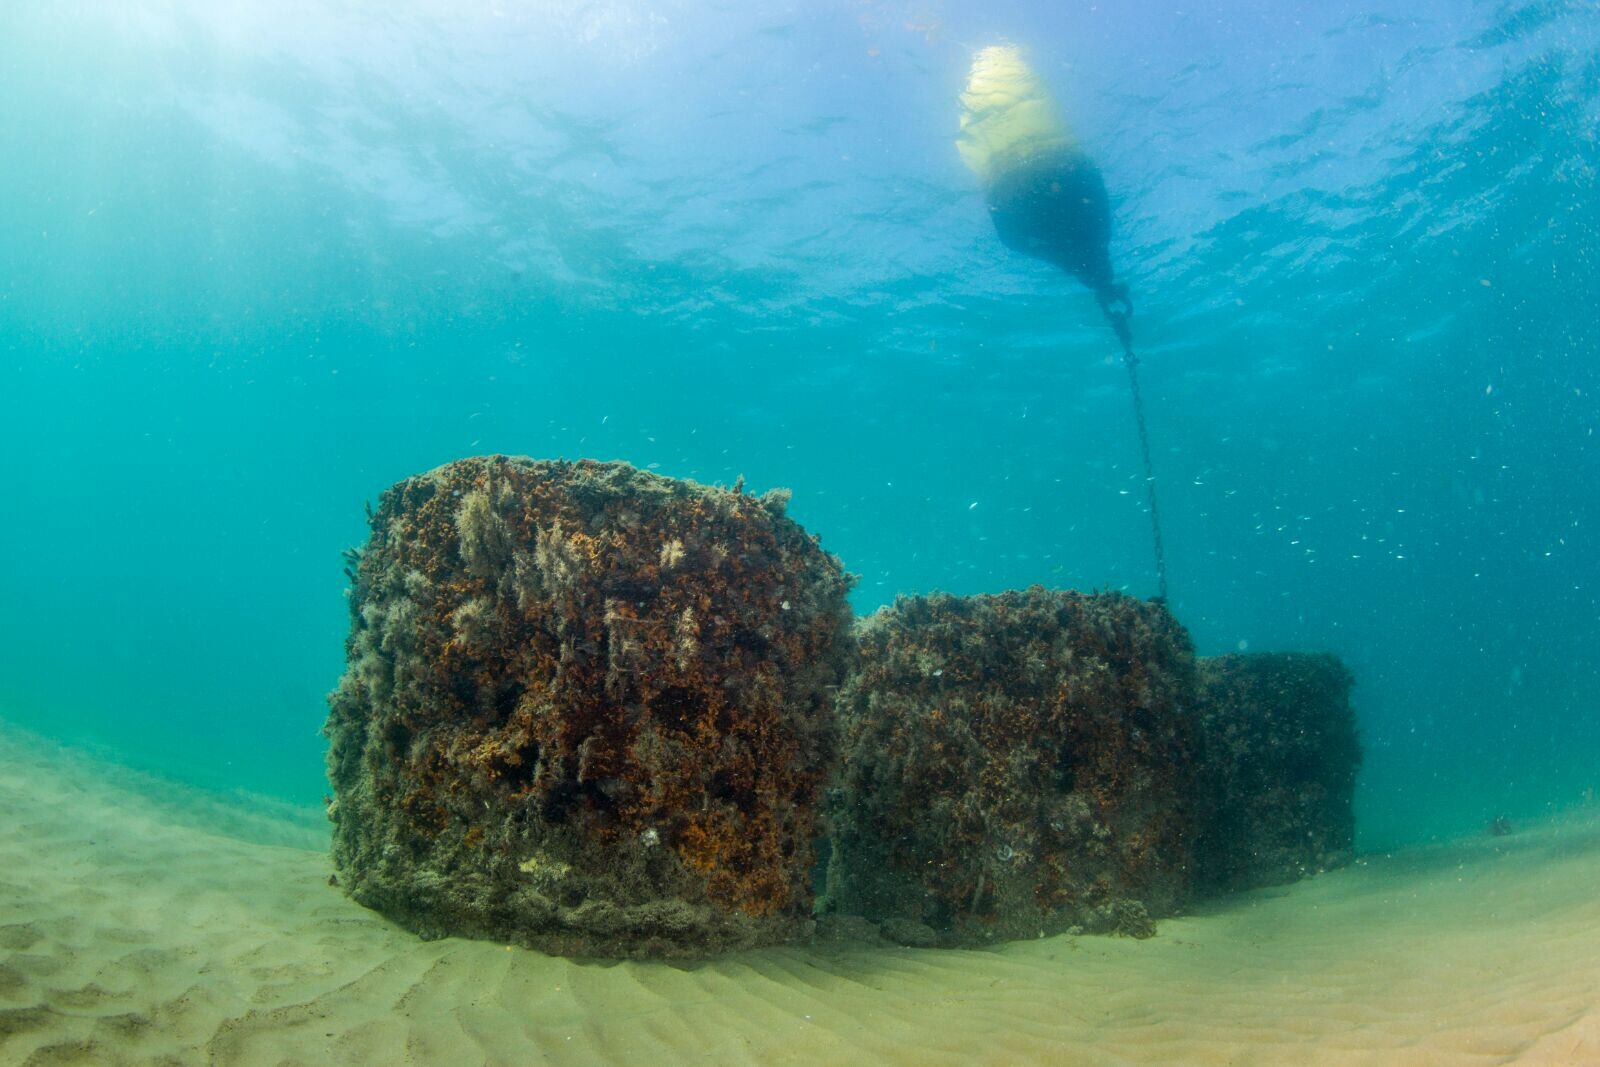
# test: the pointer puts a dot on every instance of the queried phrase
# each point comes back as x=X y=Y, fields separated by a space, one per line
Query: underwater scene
x=856 y=531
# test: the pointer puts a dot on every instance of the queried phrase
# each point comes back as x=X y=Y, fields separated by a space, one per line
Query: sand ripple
x=144 y=923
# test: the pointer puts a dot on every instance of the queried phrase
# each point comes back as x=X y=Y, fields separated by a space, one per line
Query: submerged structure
x=1012 y=765
x=586 y=709
x=593 y=711
x=1278 y=756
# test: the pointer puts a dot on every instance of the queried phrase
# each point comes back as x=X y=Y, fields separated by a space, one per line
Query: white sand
x=143 y=923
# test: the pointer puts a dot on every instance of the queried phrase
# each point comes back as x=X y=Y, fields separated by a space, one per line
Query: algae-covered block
x=587 y=709
x=1014 y=764
x=1279 y=755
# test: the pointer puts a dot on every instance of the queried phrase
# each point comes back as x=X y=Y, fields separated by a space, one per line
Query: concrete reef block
x=587 y=709
x=1279 y=756
x=1014 y=764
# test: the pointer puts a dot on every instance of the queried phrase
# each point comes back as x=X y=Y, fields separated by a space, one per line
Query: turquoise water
x=259 y=261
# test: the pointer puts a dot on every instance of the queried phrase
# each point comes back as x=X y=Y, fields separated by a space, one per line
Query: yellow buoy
x=1045 y=195
x=1007 y=115
x=1048 y=201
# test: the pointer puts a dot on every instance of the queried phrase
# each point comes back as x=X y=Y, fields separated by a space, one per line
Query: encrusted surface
x=586 y=709
x=1013 y=764
x=1279 y=756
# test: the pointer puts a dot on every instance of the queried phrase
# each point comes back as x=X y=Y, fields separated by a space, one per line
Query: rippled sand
x=145 y=923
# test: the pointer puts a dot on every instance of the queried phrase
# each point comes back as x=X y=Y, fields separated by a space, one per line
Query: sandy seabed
x=143 y=922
